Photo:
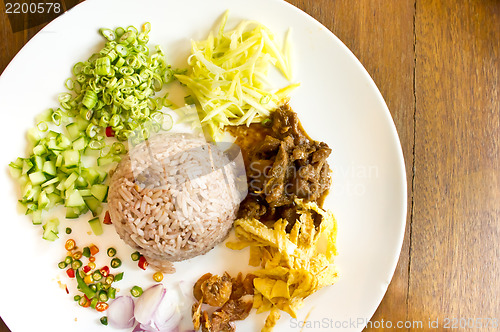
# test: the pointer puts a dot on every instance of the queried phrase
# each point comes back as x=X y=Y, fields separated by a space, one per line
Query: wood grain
x=454 y=270
x=436 y=64
x=387 y=53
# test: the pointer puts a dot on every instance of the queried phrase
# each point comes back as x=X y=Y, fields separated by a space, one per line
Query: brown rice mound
x=172 y=198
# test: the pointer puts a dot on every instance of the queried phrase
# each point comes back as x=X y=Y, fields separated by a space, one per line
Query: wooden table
x=437 y=64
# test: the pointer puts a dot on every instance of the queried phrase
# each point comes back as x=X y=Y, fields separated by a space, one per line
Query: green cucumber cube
x=99 y=191
x=37 y=178
x=71 y=158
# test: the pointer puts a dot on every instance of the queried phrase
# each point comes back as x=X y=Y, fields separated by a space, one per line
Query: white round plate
x=337 y=102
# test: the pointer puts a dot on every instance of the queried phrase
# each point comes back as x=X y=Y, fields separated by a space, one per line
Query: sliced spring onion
x=112 y=89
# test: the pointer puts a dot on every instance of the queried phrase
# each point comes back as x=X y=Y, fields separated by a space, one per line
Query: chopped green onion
x=103 y=66
x=68 y=230
x=104 y=320
x=42 y=126
x=113 y=88
x=108 y=34
x=90 y=99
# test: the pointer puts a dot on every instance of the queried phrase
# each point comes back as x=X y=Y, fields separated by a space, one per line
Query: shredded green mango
x=228 y=75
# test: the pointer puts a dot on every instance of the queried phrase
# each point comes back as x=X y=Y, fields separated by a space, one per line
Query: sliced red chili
x=101 y=306
x=143 y=263
x=107 y=219
x=104 y=271
x=86 y=269
x=70 y=244
x=84 y=301
x=110 y=132
x=70 y=272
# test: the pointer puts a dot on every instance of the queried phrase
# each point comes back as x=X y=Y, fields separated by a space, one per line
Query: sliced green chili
x=135 y=256
x=83 y=286
x=136 y=291
x=111 y=252
x=96 y=276
x=76 y=264
x=115 y=263
x=103 y=296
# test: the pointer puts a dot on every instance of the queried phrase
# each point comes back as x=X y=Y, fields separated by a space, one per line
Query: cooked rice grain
x=173 y=197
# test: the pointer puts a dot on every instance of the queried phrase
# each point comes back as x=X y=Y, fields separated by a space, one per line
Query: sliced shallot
x=148 y=303
x=121 y=312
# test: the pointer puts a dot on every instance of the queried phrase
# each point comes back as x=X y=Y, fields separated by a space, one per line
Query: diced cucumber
x=82 y=124
x=63 y=142
x=49 y=167
x=38 y=162
x=60 y=186
x=52 y=144
x=17 y=163
x=43 y=200
x=34 y=135
x=51 y=135
x=96 y=226
x=94 y=205
x=99 y=191
x=80 y=143
x=85 y=193
x=49 y=189
x=54 y=199
x=70 y=180
x=81 y=182
x=27 y=165
x=36 y=217
x=71 y=158
x=103 y=161
x=50 y=229
x=74 y=199
x=50 y=236
x=74 y=131
x=30 y=207
x=59 y=160
x=39 y=150
x=91 y=175
x=51 y=181
x=15 y=171
x=37 y=178
x=72 y=213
